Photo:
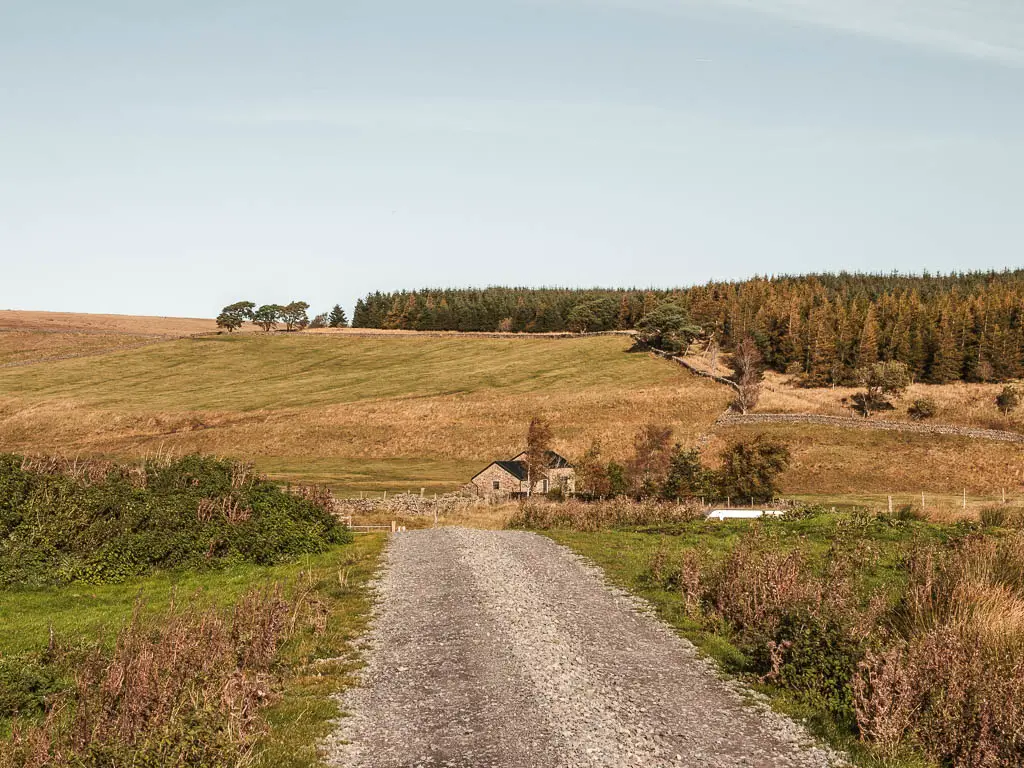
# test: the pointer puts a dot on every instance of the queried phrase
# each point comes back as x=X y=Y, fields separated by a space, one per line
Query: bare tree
x=592 y=473
x=748 y=369
x=651 y=455
x=538 y=448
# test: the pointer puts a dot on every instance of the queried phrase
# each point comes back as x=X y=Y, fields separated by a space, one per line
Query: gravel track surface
x=504 y=649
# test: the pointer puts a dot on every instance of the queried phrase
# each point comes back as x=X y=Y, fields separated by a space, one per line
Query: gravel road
x=503 y=649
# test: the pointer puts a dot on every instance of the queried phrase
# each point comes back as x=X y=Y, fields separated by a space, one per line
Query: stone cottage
x=509 y=478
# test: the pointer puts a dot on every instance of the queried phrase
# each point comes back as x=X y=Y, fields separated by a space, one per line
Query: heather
x=234 y=666
x=899 y=639
x=67 y=521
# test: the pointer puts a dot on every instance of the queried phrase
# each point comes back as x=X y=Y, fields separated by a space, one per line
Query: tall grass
x=950 y=679
x=583 y=516
x=796 y=625
x=931 y=663
x=185 y=690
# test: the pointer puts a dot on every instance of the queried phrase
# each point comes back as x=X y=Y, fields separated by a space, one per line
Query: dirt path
x=501 y=648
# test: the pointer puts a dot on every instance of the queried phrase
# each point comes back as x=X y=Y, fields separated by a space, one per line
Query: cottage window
x=496 y=485
x=544 y=486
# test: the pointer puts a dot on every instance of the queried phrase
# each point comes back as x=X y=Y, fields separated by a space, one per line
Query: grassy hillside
x=363 y=413
x=30 y=337
x=847 y=462
x=409 y=412
x=28 y=346
x=968 y=405
x=13 y=319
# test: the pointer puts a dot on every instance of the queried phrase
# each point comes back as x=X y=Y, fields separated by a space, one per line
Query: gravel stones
x=503 y=649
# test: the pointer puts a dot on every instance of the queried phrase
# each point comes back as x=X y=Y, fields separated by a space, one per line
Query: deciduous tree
x=750 y=470
x=649 y=464
x=748 y=374
x=268 y=316
x=538 y=448
x=294 y=316
x=1008 y=400
x=234 y=315
x=591 y=474
x=686 y=476
x=668 y=327
x=880 y=381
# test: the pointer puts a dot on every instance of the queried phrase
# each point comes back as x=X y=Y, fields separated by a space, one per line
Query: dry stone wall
x=730 y=419
x=408 y=505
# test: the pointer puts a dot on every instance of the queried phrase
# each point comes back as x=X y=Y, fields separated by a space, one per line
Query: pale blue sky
x=169 y=157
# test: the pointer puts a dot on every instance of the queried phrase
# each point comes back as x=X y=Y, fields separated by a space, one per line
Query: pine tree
x=867 y=347
x=946 y=359
x=943 y=326
x=337 y=317
x=825 y=366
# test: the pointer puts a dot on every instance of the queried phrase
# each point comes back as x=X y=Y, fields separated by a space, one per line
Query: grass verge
x=311 y=666
x=735 y=589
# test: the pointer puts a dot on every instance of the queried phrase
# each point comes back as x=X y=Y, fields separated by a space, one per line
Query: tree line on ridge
x=821 y=328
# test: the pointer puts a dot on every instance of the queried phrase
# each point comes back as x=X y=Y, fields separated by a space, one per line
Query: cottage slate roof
x=515 y=468
x=518 y=469
x=554 y=460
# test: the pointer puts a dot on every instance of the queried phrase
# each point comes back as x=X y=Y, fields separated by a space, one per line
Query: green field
x=246 y=373
x=403 y=413
x=360 y=413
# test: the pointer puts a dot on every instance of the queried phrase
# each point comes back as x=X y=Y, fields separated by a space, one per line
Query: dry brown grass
x=834 y=461
x=432 y=410
x=402 y=412
x=187 y=690
x=951 y=682
x=28 y=346
x=80 y=321
x=969 y=405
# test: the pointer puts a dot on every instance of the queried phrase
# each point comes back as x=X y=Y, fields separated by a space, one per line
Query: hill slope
x=410 y=412
x=360 y=412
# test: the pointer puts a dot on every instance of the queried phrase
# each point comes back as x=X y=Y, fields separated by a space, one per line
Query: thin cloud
x=991 y=30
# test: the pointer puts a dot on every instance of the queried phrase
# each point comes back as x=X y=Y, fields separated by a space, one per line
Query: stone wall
x=408 y=505
x=862 y=423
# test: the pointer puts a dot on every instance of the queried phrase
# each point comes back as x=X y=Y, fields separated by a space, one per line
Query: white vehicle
x=743 y=514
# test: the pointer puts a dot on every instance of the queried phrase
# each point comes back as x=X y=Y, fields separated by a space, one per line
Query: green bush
x=993 y=517
x=923 y=408
x=61 y=524
x=26 y=683
x=1002 y=516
